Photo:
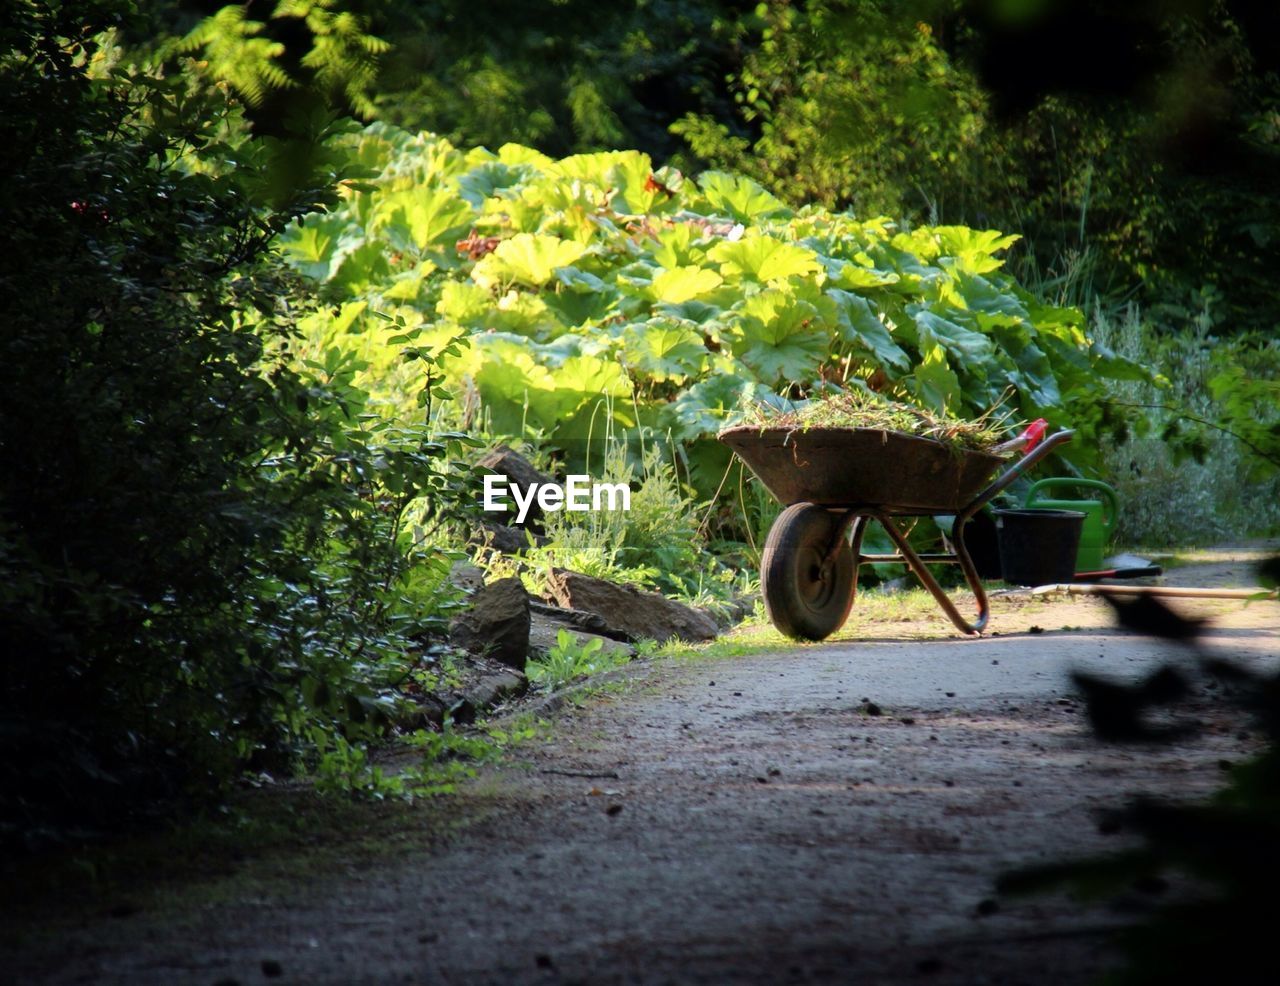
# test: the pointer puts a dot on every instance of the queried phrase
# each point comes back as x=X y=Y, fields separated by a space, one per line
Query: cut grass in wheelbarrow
x=865 y=409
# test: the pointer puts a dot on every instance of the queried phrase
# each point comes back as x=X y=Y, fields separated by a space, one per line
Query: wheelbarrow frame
x=851 y=519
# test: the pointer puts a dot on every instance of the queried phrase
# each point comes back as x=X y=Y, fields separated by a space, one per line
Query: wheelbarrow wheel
x=807 y=596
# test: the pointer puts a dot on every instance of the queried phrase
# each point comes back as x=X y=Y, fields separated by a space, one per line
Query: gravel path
x=826 y=814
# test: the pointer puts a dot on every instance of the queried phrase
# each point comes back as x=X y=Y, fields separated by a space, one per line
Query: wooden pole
x=1186 y=592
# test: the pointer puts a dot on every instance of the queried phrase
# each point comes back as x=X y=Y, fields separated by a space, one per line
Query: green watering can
x=1099 y=515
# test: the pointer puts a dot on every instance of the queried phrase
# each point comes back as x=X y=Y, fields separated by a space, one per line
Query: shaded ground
x=720 y=819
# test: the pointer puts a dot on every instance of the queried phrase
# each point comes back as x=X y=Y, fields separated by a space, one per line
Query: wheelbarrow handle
x=1013 y=472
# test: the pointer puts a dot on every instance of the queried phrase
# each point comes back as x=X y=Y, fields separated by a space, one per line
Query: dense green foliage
x=563 y=75
x=596 y=291
x=1154 y=174
x=1211 y=433
x=1152 y=179
x=201 y=553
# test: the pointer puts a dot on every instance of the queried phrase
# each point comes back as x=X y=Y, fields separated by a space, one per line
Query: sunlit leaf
x=855 y=276
x=665 y=350
x=678 y=246
x=623 y=175
x=762 y=258
x=711 y=404
x=682 y=284
x=492 y=178
x=974 y=250
x=316 y=246
x=779 y=337
x=934 y=383
x=740 y=198
x=420 y=218
x=526 y=258
x=464 y=302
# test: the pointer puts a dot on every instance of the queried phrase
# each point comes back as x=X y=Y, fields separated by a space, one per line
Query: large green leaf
x=356 y=271
x=527 y=258
x=935 y=383
x=1034 y=376
x=857 y=277
x=420 y=218
x=740 y=198
x=621 y=176
x=681 y=284
x=525 y=386
x=526 y=314
x=513 y=386
x=990 y=304
x=969 y=348
x=859 y=325
x=779 y=337
x=971 y=356
x=465 y=303
x=580 y=297
x=678 y=246
x=760 y=257
x=974 y=250
x=518 y=154
x=698 y=312
x=493 y=178
x=317 y=244
x=662 y=349
x=715 y=403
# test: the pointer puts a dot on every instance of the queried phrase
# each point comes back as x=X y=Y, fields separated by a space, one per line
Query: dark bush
x=197 y=550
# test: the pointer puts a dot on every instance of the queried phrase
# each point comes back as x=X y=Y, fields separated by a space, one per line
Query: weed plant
x=570 y=659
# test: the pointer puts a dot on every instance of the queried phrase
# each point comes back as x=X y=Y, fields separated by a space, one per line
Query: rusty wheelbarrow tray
x=833 y=481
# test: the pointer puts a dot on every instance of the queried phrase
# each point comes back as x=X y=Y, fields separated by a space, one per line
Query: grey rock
x=640 y=614
x=545 y=629
x=427 y=710
x=496 y=624
x=488 y=691
x=466 y=576
x=577 y=619
x=500 y=537
x=518 y=470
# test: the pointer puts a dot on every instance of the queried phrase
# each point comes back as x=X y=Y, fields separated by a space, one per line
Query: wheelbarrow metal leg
x=921 y=570
x=859 y=522
x=849 y=519
x=970 y=574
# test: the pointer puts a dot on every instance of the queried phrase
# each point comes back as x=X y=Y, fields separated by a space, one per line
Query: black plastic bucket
x=1038 y=547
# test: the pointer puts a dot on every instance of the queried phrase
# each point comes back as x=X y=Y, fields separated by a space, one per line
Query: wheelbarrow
x=834 y=481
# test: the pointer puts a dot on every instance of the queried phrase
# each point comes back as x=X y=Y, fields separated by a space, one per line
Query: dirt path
x=736 y=820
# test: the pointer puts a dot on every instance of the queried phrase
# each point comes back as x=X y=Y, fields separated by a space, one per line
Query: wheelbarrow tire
x=805 y=599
